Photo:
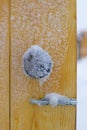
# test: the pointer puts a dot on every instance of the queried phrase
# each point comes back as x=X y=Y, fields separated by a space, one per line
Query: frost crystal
x=37 y=63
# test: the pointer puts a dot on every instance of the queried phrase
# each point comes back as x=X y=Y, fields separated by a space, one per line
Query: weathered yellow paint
x=4 y=64
x=50 y=24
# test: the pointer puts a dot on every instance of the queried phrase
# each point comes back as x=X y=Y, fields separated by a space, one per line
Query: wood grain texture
x=4 y=64
x=51 y=25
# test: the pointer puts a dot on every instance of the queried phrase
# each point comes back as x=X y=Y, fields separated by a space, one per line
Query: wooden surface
x=4 y=64
x=52 y=25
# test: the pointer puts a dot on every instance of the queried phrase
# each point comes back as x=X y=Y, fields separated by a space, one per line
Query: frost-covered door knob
x=37 y=63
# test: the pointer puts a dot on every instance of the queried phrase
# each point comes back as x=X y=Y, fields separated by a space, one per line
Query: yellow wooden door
x=50 y=24
x=4 y=64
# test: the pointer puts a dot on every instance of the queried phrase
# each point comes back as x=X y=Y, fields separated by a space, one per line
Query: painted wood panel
x=4 y=64
x=50 y=24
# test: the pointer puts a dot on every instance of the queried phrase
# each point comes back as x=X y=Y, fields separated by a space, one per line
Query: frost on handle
x=54 y=99
x=37 y=63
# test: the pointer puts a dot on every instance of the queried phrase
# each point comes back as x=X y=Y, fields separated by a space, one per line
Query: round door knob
x=37 y=63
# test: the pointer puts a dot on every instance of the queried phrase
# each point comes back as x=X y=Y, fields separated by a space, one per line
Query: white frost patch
x=56 y=99
x=42 y=80
x=37 y=63
x=12 y=17
x=53 y=98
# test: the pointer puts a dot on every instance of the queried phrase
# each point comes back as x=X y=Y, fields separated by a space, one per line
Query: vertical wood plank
x=51 y=25
x=4 y=64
